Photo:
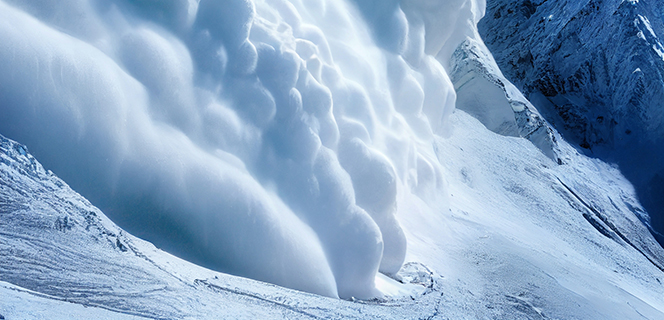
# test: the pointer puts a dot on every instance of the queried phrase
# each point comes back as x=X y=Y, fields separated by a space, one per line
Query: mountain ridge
x=595 y=69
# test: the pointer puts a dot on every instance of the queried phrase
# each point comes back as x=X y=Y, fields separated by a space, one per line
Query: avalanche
x=595 y=69
x=365 y=150
x=268 y=139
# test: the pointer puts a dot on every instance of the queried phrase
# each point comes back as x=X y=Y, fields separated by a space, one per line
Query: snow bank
x=269 y=139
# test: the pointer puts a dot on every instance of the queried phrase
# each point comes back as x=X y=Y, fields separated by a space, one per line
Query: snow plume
x=272 y=139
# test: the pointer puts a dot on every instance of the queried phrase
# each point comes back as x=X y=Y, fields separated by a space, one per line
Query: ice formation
x=271 y=139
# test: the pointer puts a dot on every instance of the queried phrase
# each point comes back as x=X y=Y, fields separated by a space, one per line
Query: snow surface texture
x=504 y=110
x=517 y=242
x=595 y=69
x=291 y=143
x=58 y=252
x=269 y=139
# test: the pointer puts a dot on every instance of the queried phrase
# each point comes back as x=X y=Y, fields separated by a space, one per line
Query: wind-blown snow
x=271 y=139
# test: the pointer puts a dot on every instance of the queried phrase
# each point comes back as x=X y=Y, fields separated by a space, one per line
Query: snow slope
x=524 y=238
x=595 y=70
x=306 y=144
x=57 y=249
x=515 y=242
x=504 y=110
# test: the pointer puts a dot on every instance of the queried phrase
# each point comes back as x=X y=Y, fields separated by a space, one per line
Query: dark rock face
x=595 y=70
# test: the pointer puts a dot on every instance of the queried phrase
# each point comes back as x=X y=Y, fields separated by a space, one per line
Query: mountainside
x=595 y=70
x=523 y=238
x=273 y=159
x=58 y=250
x=268 y=139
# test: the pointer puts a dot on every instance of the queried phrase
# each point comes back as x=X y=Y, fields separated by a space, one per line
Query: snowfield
x=515 y=243
x=296 y=159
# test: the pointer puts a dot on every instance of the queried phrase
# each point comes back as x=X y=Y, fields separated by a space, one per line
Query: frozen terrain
x=516 y=242
x=596 y=71
x=295 y=159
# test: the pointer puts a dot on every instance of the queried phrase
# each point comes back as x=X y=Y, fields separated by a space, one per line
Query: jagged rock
x=595 y=70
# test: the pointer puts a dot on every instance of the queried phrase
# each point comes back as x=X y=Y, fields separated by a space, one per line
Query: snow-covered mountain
x=260 y=138
x=596 y=71
x=313 y=145
x=523 y=238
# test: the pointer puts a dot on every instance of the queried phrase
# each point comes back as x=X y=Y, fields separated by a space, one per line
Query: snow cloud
x=271 y=139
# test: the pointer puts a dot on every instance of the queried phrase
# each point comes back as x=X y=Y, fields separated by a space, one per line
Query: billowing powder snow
x=271 y=139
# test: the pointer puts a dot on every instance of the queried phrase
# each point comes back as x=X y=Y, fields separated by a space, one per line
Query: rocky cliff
x=595 y=71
